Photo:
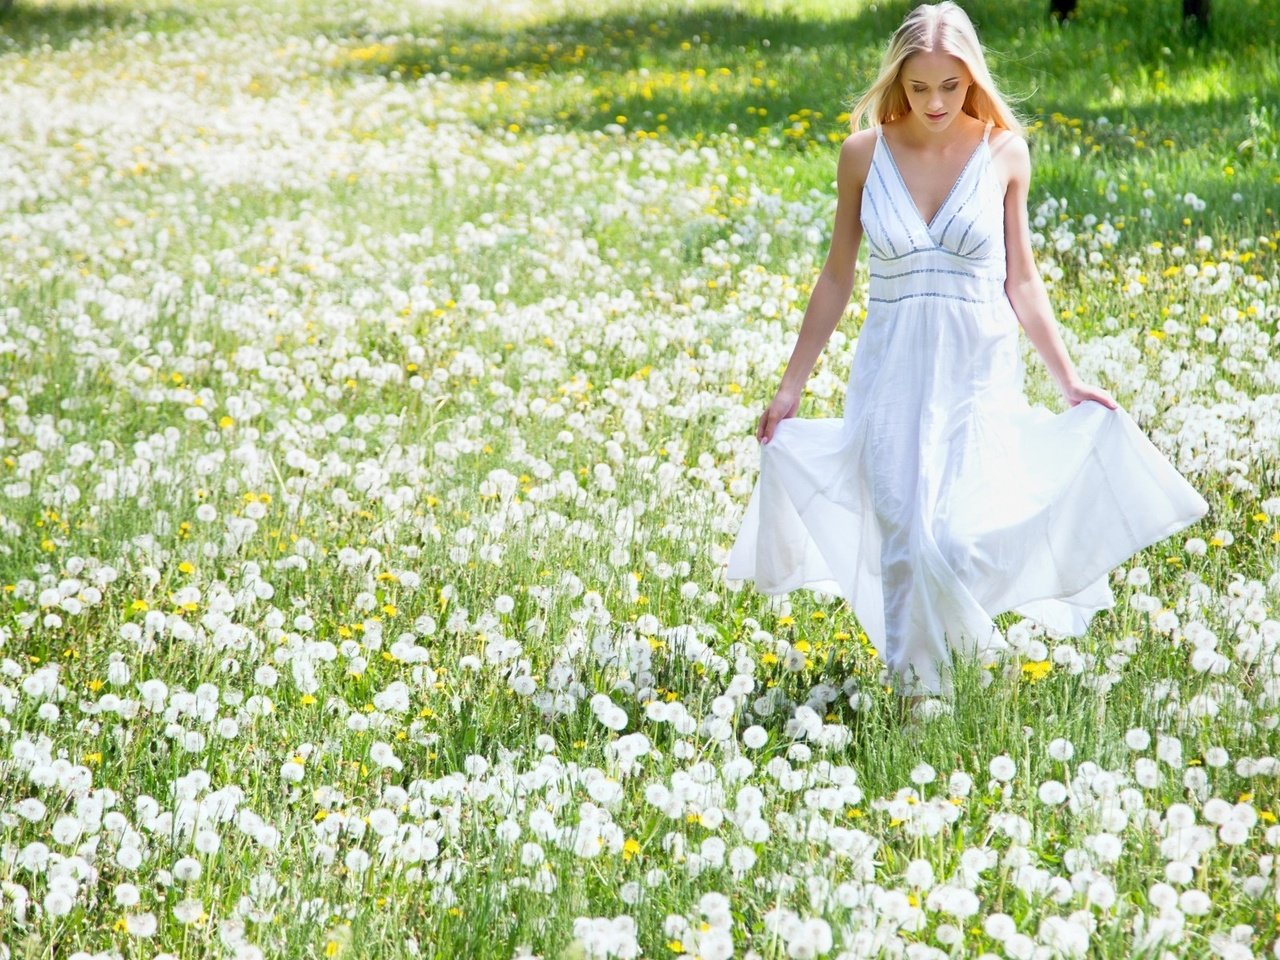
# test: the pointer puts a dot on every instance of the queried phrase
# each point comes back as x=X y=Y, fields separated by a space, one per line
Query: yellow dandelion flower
x=1037 y=670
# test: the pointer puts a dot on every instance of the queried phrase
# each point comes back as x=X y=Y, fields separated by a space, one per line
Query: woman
x=942 y=498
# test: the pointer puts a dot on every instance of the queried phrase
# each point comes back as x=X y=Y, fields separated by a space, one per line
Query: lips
x=936 y=116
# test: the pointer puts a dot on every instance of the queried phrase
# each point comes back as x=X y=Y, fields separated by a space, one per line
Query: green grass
x=561 y=241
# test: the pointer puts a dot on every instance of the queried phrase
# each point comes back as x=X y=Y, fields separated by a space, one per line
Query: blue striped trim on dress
x=931 y=294
x=958 y=211
x=869 y=200
x=958 y=273
x=982 y=243
x=938 y=249
x=888 y=193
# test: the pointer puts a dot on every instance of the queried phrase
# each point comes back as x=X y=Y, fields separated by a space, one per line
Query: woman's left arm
x=1023 y=284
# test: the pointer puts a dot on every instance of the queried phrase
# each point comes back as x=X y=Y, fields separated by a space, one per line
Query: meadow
x=378 y=387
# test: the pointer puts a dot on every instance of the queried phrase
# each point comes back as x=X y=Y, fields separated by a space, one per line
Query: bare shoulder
x=1011 y=155
x=855 y=158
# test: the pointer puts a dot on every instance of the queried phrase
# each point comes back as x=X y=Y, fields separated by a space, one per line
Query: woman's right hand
x=785 y=403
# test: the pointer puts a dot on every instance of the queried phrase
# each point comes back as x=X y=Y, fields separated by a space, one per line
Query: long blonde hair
x=944 y=27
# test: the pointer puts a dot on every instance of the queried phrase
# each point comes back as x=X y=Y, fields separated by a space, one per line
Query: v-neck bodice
x=963 y=239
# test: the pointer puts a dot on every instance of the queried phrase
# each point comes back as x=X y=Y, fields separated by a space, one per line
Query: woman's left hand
x=1076 y=393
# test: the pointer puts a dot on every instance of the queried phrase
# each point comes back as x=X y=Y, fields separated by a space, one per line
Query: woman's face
x=935 y=84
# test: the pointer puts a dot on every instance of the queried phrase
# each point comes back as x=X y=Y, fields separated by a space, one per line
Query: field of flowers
x=378 y=384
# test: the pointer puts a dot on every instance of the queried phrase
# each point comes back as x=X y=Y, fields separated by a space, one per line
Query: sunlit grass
x=371 y=440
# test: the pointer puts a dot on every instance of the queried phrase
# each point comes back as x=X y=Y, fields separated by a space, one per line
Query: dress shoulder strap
x=987 y=132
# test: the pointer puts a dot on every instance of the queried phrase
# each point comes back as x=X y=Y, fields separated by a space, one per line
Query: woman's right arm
x=834 y=285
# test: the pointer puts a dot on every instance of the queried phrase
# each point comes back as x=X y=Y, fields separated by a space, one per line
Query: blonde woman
x=942 y=498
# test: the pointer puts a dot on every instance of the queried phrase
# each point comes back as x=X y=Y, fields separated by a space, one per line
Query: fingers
x=1092 y=393
x=1104 y=398
x=765 y=432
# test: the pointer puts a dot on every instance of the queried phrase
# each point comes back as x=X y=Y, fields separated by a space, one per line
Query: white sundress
x=942 y=498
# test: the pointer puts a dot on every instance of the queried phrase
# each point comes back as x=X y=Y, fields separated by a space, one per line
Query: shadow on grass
x=28 y=26
x=842 y=48
x=691 y=75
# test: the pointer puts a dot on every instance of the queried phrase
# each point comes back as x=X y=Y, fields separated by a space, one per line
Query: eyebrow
x=948 y=80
